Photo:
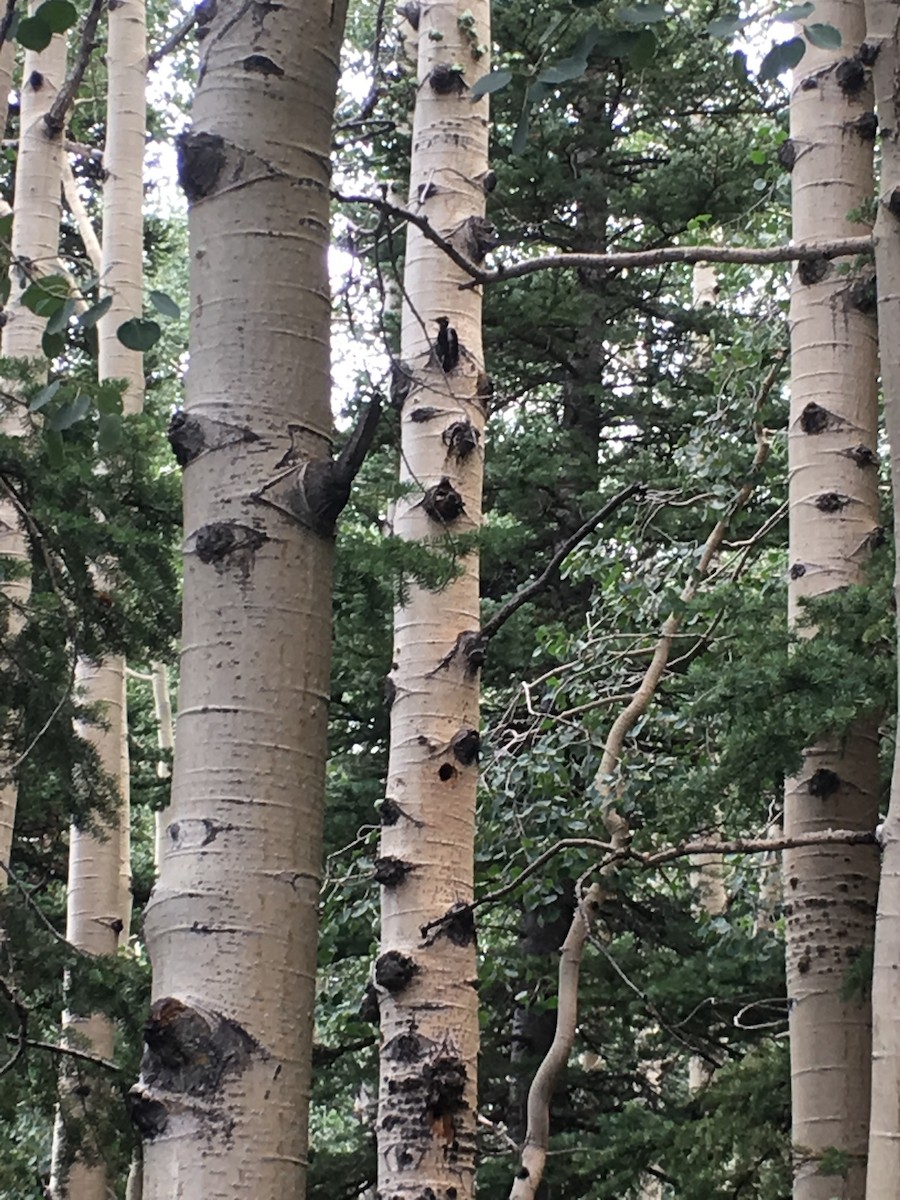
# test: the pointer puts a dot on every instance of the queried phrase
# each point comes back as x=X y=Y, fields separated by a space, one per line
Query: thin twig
x=68 y=1052
x=173 y=41
x=55 y=118
x=530 y=590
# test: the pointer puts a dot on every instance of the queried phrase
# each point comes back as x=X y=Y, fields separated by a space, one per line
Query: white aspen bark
x=883 y=50
x=165 y=739
x=231 y=925
x=100 y=862
x=93 y=924
x=33 y=247
x=426 y=981
x=829 y=892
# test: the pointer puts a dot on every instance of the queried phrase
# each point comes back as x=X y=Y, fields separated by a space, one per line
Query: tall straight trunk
x=830 y=891
x=99 y=886
x=231 y=923
x=883 y=44
x=35 y=241
x=426 y=981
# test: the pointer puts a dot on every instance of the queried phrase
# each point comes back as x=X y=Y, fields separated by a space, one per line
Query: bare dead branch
x=689 y=255
x=537 y=1137
x=173 y=41
x=55 y=118
x=530 y=590
x=68 y=1052
x=622 y=259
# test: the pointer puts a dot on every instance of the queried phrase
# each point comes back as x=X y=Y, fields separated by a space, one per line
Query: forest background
x=662 y=389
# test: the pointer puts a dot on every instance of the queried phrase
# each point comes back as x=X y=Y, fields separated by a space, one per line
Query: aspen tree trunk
x=99 y=887
x=34 y=244
x=425 y=981
x=883 y=47
x=830 y=891
x=231 y=925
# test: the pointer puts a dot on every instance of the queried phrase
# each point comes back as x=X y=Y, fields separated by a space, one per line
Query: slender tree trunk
x=99 y=890
x=34 y=243
x=426 y=982
x=882 y=34
x=830 y=891
x=231 y=925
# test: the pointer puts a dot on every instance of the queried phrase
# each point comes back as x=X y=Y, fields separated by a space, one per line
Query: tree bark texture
x=426 y=983
x=883 y=45
x=100 y=860
x=829 y=892
x=231 y=925
x=34 y=244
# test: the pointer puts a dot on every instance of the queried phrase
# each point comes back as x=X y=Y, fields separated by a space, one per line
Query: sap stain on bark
x=868 y=53
x=402 y=379
x=226 y=543
x=446 y=772
x=787 y=154
x=866 y=126
x=394 y=971
x=425 y=413
x=812 y=270
x=457 y=925
x=863 y=293
x=851 y=76
x=893 y=204
x=390 y=872
x=475 y=237
x=390 y=811
x=461 y=439
x=206 y=11
x=831 y=502
x=446 y=79
x=443 y=502
x=188 y=1051
x=797 y=571
x=261 y=64
x=862 y=456
x=314 y=492
x=369 y=1009
x=195 y=834
x=201 y=159
x=823 y=783
x=190 y=435
x=465 y=744
x=814 y=418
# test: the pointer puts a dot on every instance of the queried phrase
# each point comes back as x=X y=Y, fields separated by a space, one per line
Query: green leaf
x=617 y=43
x=642 y=14
x=782 y=57
x=70 y=413
x=89 y=319
x=538 y=91
x=44 y=396
x=6 y=227
x=56 y=453
x=46 y=295
x=563 y=71
x=739 y=66
x=52 y=344
x=60 y=319
x=34 y=34
x=481 y=87
x=109 y=398
x=139 y=334
x=110 y=433
x=520 y=137
x=797 y=12
x=164 y=304
x=725 y=27
x=643 y=51
x=58 y=15
x=826 y=37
